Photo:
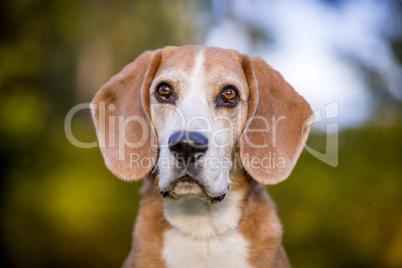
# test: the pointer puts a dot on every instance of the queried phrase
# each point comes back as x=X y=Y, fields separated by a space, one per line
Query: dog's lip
x=190 y=180
x=185 y=178
x=182 y=179
x=217 y=199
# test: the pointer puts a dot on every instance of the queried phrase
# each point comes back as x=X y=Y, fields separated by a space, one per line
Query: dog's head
x=195 y=113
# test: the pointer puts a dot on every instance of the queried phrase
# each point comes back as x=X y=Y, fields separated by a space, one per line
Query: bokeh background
x=61 y=207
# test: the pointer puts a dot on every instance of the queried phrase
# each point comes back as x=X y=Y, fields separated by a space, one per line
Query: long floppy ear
x=273 y=139
x=121 y=110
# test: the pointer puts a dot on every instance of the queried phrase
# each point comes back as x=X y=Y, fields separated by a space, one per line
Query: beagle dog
x=206 y=128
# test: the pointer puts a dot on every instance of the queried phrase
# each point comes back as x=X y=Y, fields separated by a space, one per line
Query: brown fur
x=126 y=92
x=147 y=242
x=271 y=97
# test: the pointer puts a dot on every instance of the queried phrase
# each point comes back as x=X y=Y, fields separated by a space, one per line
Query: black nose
x=188 y=146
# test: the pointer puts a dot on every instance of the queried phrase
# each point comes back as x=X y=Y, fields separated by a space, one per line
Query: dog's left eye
x=164 y=93
x=228 y=97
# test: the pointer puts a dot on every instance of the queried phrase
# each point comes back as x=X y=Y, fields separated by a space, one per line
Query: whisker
x=233 y=180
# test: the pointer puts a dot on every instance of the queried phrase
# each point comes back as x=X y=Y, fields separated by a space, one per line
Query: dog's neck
x=201 y=219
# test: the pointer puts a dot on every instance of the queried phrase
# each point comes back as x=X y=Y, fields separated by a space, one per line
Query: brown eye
x=229 y=97
x=229 y=94
x=164 y=93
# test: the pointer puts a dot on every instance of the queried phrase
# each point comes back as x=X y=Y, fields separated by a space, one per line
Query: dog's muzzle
x=187 y=148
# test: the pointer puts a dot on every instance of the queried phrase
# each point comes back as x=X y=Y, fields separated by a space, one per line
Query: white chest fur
x=204 y=235
x=228 y=250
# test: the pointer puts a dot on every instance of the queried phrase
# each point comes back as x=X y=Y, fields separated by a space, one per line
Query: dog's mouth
x=188 y=187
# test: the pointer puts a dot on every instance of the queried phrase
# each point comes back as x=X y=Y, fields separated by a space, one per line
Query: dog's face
x=199 y=104
x=192 y=113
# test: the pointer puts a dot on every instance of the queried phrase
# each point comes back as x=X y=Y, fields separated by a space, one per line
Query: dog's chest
x=204 y=236
x=228 y=250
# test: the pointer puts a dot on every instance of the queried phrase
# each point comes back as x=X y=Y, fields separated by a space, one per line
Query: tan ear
x=121 y=110
x=278 y=120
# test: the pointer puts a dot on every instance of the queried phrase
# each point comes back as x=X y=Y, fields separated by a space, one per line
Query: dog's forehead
x=216 y=63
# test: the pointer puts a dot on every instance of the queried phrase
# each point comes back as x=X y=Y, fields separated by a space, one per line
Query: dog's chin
x=184 y=189
x=188 y=188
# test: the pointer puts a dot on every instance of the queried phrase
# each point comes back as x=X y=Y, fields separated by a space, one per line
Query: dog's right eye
x=228 y=97
x=164 y=93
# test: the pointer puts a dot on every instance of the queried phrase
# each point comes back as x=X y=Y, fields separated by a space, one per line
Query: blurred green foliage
x=61 y=207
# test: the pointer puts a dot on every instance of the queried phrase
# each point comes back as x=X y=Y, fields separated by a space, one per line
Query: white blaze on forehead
x=195 y=106
x=197 y=74
x=196 y=80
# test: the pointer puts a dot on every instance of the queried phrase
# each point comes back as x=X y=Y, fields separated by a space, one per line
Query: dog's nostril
x=188 y=146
